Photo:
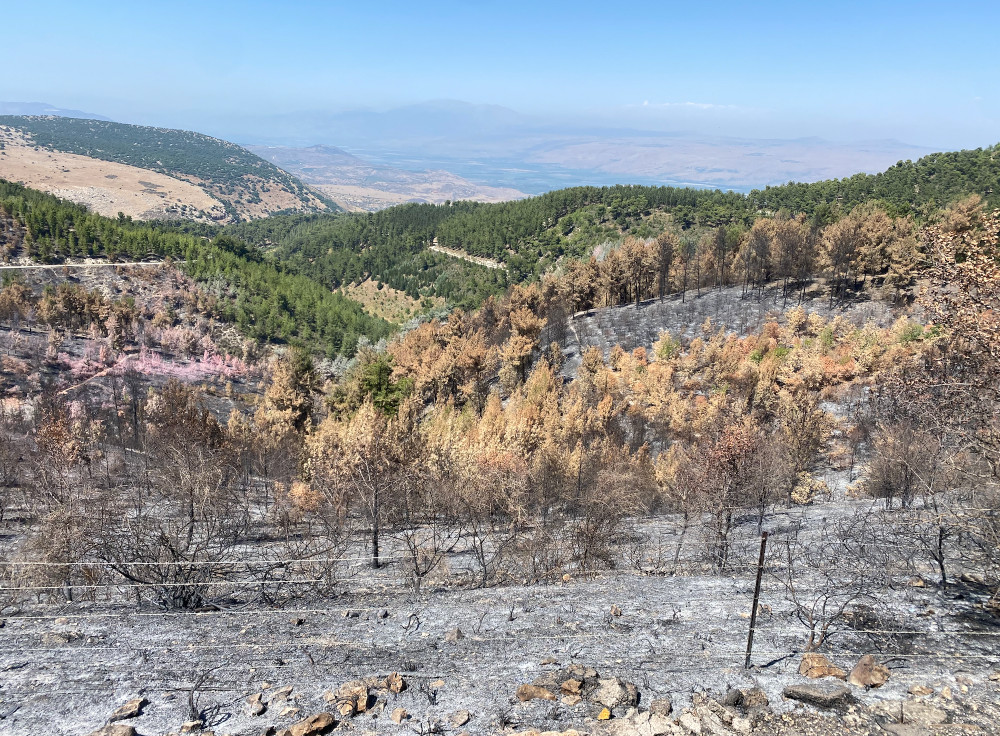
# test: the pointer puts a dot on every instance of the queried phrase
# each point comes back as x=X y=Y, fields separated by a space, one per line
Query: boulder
x=691 y=722
x=733 y=698
x=116 y=729
x=131 y=709
x=533 y=692
x=313 y=725
x=615 y=693
x=868 y=673
x=399 y=715
x=815 y=666
x=394 y=683
x=255 y=704
x=820 y=694
x=352 y=698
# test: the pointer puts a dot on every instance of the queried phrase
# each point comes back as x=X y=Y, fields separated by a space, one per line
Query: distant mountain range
x=499 y=147
x=448 y=149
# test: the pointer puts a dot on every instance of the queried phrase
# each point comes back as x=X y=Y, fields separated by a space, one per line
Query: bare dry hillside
x=225 y=182
x=104 y=186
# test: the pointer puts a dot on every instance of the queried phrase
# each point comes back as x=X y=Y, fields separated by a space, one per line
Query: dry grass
x=105 y=187
x=388 y=303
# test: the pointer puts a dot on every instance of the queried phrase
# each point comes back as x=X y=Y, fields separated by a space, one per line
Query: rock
x=313 y=725
x=383 y=614
x=533 y=692
x=733 y=698
x=289 y=712
x=570 y=687
x=920 y=690
x=815 y=665
x=754 y=697
x=548 y=661
x=399 y=715
x=615 y=693
x=604 y=715
x=460 y=718
x=437 y=684
x=661 y=707
x=571 y=700
x=394 y=683
x=297 y=621
x=281 y=694
x=191 y=726
x=616 y=611
x=820 y=694
x=691 y=722
x=117 y=729
x=742 y=725
x=131 y=709
x=946 y=693
x=916 y=582
x=868 y=673
x=255 y=704
x=454 y=635
x=909 y=712
x=352 y=698
x=58 y=638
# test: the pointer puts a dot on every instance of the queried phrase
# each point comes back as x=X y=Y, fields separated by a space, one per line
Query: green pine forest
x=281 y=273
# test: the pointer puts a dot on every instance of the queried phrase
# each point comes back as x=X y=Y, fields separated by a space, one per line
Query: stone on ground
x=868 y=673
x=533 y=692
x=815 y=666
x=131 y=709
x=820 y=694
x=614 y=692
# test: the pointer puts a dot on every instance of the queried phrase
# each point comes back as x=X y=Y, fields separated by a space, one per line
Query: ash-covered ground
x=64 y=668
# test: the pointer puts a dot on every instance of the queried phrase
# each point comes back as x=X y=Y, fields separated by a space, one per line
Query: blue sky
x=921 y=72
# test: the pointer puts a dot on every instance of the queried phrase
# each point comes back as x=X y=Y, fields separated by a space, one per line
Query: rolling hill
x=149 y=173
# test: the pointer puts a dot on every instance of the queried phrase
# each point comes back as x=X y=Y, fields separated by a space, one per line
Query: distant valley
x=359 y=185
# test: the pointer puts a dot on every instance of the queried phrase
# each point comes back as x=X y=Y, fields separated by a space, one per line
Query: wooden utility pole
x=756 y=596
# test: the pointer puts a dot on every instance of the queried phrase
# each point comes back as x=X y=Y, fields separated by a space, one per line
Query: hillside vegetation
x=264 y=300
x=153 y=463
x=247 y=185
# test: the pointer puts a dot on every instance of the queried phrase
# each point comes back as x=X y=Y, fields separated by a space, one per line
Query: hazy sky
x=921 y=72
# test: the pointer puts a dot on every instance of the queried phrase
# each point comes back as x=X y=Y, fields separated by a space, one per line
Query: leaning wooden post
x=756 y=596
